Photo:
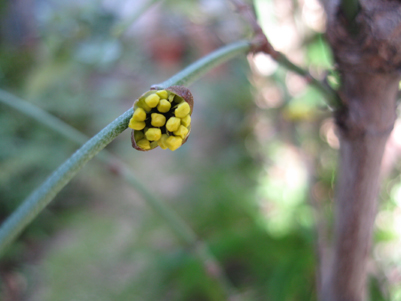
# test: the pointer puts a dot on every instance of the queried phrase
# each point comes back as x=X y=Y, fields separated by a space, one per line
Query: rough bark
x=369 y=62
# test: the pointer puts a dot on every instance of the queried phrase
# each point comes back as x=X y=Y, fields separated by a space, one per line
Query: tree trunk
x=369 y=61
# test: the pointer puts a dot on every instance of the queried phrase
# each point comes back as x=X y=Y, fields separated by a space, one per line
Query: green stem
x=42 y=196
x=42 y=116
x=178 y=226
x=199 y=68
x=174 y=221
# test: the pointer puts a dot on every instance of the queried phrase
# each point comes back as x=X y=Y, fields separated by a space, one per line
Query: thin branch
x=120 y=169
x=261 y=44
x=199 y=68
x=260 y=40
x=332 y=97
x=115 y=165
x=43 y=117
x=42 y=196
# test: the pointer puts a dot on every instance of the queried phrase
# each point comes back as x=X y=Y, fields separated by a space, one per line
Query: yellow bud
x=162 y=93
x=144 y=144
x=186 y=121
x=138 y=135
x=171 y=98
x=182 y=110
x=173 y=124
x=139 y=114
x=158 y=120
x=136 y=125
x=182 y=132
x=152 y=100
x=153 y=134
x=162 y=141
x=164 y=106
x=142 y=104
x=173 y=142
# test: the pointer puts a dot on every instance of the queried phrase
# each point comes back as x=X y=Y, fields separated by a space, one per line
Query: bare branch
x=261 y=44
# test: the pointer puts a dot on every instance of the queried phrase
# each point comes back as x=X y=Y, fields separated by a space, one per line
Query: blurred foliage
x=257 y=170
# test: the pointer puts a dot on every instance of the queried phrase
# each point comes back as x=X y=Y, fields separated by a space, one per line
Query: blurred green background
x=255 y=180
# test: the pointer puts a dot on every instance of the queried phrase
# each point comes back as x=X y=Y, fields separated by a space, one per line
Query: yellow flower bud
x=182 y=132
x=158 y=120
x=162 y=94
x=162 y=141
x=142 y=104
x=186 y=121
x=144 y=144
x=153 y=134
x=173 y=124
x=164 y=106
x=152 y=100
x=161 y=118
x=136 y=125
x=139 y=114
x=139 y=135
x=182 y=110
x=173 y=142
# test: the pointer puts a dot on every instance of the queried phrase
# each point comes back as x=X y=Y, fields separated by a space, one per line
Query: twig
x=115 y=165
x=262 y=44
x=42 y=116
x=200 y=67
x=42 y=196
x=120 y=169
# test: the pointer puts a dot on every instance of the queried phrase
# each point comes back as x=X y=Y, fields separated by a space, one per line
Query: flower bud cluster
x=161 y=118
